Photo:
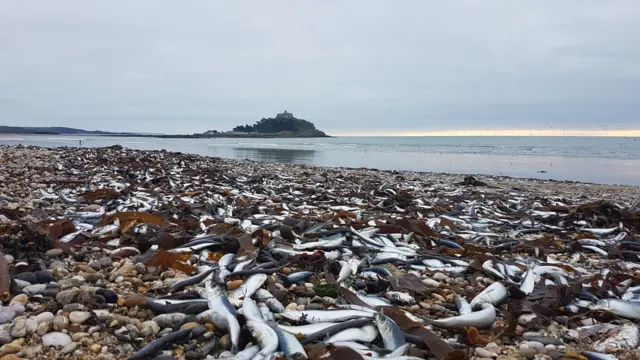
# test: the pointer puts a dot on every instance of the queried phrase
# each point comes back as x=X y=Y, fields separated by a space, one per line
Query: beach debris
x=119 y=253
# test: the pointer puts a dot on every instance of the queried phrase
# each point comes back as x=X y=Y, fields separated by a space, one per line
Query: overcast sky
x=351 y=67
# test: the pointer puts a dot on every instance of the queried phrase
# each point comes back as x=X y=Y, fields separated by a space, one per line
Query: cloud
x=350 y=67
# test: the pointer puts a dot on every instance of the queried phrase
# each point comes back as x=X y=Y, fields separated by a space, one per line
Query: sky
x=357 y=67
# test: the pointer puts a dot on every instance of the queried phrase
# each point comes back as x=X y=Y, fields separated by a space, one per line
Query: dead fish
x=400 y=297
x=480 y=319
x=366 y=333
x=247 y=289
x=392 y=336
x=463 y=305
x=318 y=316
x=626 y=309
x=493 y=294
x=265 y=335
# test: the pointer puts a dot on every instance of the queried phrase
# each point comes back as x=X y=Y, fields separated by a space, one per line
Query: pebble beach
x=113 y=253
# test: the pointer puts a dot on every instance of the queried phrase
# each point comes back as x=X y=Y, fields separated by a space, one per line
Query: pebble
x=167 y=274
x=18 y=328
x=54 y=252
x=60 y=322
x=35 y=289
x=485 y=353
x=96 y=348
x=79 y=335
x=10 y=357
x=18 y=308
x=44 y=277
x=56 y=339
x=291 y=306
x=10 y=349
x=20 y=299
x=31 y=352
x=7 y=314
x=569 y=335
x=69 y=348
x=225 y=342
x=169 y=320
x=110 y=296
x=234 y=284
x=67 y=296
x=28 y=277
x=431 y=283
x=527 y=352
x=44 y=327
x=32 y=326
x=79 y=317
x=536 y=345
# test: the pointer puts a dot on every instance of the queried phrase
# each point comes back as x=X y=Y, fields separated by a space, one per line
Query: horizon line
x=466 y=133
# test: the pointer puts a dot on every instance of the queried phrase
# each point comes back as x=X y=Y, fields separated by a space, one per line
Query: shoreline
x=95 y=239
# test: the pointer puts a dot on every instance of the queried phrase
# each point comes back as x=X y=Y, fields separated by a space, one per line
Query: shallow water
x=589 y=159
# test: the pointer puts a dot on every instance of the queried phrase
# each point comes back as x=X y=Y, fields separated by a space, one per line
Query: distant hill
x=57 y=130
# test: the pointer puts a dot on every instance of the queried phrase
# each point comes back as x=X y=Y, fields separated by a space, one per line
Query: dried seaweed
x=100 y=194
x=174 y=260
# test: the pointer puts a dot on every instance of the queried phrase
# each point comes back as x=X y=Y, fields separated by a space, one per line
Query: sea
x=605 y=160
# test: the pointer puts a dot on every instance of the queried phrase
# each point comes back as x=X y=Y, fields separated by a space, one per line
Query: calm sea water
x=589 y=159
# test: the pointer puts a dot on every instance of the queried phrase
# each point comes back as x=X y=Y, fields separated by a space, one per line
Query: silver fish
x=480 y=319
x=318 y=316
x=463 y=305
x=493 y=294
x=366 y=333
x=265 y=335
x=392 y=336
x=246 y=290
x=265 y=296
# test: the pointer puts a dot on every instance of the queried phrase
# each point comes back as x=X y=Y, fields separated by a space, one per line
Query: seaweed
x=330 y=290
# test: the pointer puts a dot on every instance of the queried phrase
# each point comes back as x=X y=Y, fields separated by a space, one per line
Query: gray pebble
x=536 y=345
x=18 y=328
x=67 y=296
x=79 y=317
x=169 y=320
x=56 y=339
x=18 y=308
x=60 y=322
x=35 y=289
x=69 y=348
x=54 y=252
x=485 y=353
x=44 y=317
x=527 y=352
x=44 y=327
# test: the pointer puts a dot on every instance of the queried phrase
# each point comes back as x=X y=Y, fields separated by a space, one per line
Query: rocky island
x=283 y=125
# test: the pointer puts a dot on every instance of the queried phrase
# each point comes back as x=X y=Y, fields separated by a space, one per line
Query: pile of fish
x=280 y=261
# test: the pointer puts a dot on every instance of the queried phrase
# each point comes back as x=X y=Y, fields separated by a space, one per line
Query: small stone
x=18 y=328
x=549 y=348
x=10 y=349
x=536 y=345
x=56 y=339
x=30 y=352
x=54 y=252
x=569 y=335
x=10 y=357
x=44 y=277
x=225 y=342
x=505 y=357
x=79 y=335
x=197 y=331
x=286 y=270
x=96 y=348
x=481 y=352
x=32 y=326
x=44 y=327
x=7 y=314
x=79 y=317
x=60 y=322
x=27 y=276
x=44 y=317
x=50 y=292
x=21 y=299
x=35 y=289
x=167 y=274
x=527 y=352
x=110 y=296
x=67 y=296
x=438 y=297
x=440 y=277
x=104 y=262
x=119 y=279
x=169 y=320
x=69 y=348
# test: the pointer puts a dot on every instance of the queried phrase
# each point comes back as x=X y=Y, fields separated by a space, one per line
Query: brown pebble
x=286 y=271
x=190 y=325
x=133 y=300
x=22 y=299
x=96 y=348
x=234 y=284
x=85 y=268
x=10 y=357
x=210 y=327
